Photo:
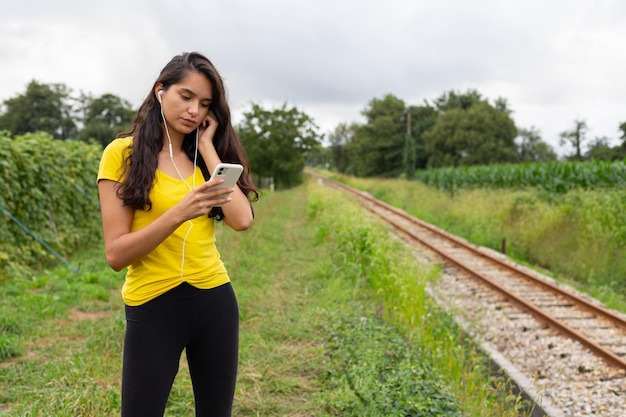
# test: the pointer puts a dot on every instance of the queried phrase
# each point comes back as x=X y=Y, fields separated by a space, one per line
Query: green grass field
x=334 y=322
x=577 y=237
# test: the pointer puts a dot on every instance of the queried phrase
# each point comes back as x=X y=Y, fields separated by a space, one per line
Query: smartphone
x=230 y=173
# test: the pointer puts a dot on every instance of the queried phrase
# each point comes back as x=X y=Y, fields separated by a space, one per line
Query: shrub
x=47 y=186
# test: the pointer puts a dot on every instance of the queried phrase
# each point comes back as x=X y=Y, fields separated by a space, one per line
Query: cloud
x=553 y=61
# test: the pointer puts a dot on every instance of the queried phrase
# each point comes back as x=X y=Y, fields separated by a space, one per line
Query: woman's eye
x=186 y=98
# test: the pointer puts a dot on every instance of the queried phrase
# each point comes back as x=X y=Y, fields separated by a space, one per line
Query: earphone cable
x=191 y=187
x=193 y=181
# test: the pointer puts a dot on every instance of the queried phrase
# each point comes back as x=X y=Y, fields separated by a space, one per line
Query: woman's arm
x=123 y=247
x=238 y=213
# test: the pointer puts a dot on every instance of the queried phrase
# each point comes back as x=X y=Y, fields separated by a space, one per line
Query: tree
x=278 y=142
x=378 y=146
x=575 y=137
x=42 y=108
x=453 y=100
x=104 y=117
x=621 y=149
x=502 y=104
x=599 y=149
x=476 y=135
x=340 y=139
x=531 y=148
x=409 y=154
x=422 y=117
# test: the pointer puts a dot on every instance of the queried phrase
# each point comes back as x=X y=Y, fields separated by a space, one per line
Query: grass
x=61 y=351
x=334 y=322
x=577 y=237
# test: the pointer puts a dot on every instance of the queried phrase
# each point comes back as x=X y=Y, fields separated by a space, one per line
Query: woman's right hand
x=202 y=199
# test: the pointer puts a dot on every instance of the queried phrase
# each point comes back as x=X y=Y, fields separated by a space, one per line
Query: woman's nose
x=193 y=108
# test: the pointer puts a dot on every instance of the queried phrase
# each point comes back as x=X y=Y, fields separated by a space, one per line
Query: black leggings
x=206 y=324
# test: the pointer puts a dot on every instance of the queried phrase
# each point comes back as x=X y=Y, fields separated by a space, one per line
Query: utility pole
x=409 y=151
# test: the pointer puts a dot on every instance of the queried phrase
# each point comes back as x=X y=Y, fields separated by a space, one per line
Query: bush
x=47 y=186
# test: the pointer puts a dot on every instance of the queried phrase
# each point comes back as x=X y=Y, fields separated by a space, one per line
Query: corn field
x=557 y=176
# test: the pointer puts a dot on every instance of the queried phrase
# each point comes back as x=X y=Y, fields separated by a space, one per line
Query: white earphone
x=193 y=179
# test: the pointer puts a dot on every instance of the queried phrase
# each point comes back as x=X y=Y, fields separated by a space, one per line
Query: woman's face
x=186 y=104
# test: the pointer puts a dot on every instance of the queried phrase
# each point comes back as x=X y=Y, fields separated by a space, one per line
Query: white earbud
x=193 y=180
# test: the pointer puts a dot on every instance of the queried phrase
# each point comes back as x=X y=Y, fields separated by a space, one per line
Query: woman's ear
x=158 y=91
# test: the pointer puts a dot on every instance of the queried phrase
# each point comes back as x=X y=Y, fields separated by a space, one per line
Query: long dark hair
x=140 y=162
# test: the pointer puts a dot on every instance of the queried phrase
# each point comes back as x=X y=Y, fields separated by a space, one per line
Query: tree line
x=55 y=109
x=455 y=129
x=279 y=142
x=397 y=139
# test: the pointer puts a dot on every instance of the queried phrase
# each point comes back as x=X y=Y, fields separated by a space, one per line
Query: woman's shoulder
x=120 y=143
x=113 y=156
x=118 y=147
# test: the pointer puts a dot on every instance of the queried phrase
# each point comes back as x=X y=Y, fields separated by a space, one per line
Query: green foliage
x=53 y=109
x=372 y=372
x=378 y=146
x=278 y=143
x=579 y=236
x=64 y=348
x=600 y=150
x=9 y=346
x=340 y=139
x=372 y=377
x=105 y=117
x=555 y=176
x=421 y=119
x=49 y=186
x=531 y=148
x=390 y=143
x=576 y=138
x=455 y=129
x=42 y=108
x=452 y=100
x=302 y=332
x=372 y=368
x=480 y=134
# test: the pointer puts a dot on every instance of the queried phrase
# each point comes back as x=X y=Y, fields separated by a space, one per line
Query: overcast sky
x=554 y=61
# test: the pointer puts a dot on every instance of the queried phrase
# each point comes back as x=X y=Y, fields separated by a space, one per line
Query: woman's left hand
x=207 y=129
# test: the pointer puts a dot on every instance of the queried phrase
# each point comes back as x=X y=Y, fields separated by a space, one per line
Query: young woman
x=159 y=206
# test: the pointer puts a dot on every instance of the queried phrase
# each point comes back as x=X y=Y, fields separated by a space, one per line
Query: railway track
x=516 y=289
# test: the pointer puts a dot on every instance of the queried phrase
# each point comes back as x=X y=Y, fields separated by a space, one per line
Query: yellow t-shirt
x=165 y=267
